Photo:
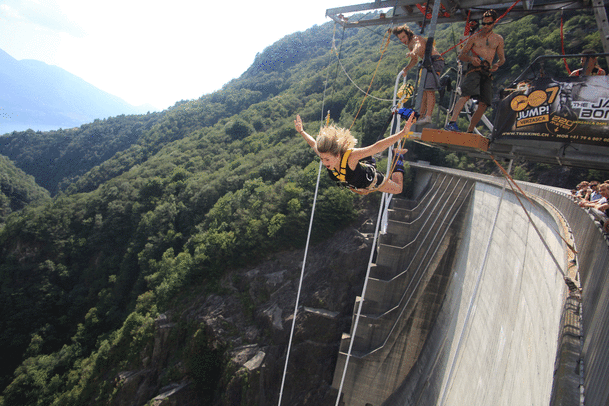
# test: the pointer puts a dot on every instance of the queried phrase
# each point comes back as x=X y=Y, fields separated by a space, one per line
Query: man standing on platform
x=479 y=51
x=417 y=44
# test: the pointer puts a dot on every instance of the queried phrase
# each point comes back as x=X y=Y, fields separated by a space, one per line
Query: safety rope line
x=304 y=261
x=512 y=181
x=508 y=10
x=383 y=49
x=287 y=356
x=362 y=297
x=471 y=308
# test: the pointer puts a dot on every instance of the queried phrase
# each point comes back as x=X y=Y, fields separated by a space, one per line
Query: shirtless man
x=416 y=44
x=479 y=51
x=590 y=66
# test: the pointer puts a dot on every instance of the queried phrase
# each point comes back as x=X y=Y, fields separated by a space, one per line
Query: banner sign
x=572 y=109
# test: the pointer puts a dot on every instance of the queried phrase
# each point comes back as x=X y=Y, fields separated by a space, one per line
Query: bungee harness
x=341 y=175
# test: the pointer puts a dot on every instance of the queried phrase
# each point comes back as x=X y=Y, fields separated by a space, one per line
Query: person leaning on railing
x=600 y=207
x=593 y=194
x=580 y=190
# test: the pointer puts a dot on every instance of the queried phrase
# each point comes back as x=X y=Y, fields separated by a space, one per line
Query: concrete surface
x=483 y=327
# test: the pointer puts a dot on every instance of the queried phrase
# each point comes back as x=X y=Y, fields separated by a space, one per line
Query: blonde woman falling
x=336 y=148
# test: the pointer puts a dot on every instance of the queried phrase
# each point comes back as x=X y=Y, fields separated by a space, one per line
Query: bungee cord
x=366 y=93
x=511 y=182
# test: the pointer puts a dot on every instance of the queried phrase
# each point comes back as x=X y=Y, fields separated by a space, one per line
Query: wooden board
x=467 y=140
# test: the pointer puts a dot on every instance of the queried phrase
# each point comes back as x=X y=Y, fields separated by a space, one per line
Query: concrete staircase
x=405 y=290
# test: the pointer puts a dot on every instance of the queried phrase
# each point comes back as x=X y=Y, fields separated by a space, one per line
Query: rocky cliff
x=229 y=347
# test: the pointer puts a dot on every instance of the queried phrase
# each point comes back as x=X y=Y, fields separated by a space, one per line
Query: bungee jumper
x=346 y=164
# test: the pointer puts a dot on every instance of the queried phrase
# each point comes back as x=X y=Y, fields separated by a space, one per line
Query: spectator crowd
x=594 y=196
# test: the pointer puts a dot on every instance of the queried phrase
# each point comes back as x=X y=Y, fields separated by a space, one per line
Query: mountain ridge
x=46 y=97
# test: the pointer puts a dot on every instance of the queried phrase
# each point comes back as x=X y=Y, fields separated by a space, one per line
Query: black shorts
x=478 y=84
x=371 y=177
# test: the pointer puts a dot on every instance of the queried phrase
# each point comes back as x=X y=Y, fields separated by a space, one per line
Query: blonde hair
x=334 y=140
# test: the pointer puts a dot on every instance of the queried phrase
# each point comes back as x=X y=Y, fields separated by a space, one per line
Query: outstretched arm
x=379 y=146
x=300 y=129
x=602 y=207
x=413 y=61
x=418 y=51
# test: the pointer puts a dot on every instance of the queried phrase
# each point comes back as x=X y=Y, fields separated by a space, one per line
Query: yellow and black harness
x=341 y=174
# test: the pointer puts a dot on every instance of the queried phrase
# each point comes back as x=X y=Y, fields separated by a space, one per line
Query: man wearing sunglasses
x=479 y=52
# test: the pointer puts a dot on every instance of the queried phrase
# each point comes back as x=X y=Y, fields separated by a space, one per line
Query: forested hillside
x=56 y=159
x=17 y=189
x=150 y=210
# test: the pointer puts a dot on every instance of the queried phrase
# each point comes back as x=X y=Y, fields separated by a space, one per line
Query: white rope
x=361 y=302
x=304 y=261
x=386 y=198
x=355 y=84
x=287 y=356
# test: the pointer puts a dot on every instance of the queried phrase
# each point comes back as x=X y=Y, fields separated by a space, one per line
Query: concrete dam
x=479 y=295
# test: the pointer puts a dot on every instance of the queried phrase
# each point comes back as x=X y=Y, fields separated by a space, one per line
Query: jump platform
x=451 y=139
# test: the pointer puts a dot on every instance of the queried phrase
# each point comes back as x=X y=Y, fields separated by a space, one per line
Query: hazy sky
x=151 y=51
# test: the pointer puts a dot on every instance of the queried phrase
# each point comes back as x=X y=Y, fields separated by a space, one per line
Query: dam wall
x=497 y=335
x=486 y=325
